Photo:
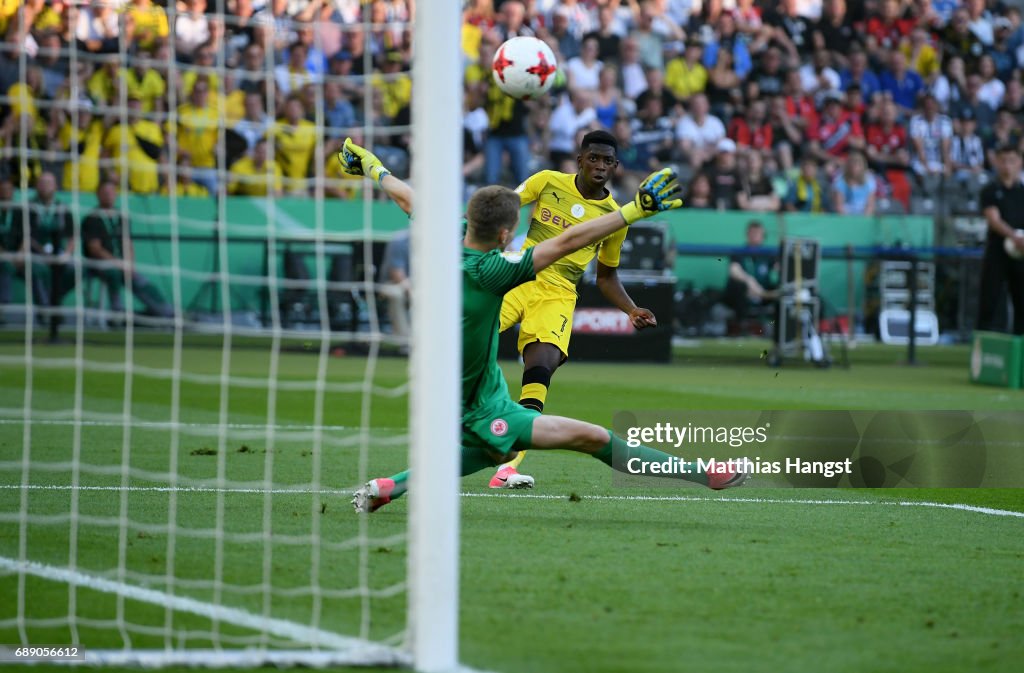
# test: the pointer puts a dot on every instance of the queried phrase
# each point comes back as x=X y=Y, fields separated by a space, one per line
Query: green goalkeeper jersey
x=486 y=277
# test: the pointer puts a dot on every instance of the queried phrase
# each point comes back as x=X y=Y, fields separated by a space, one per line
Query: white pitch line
x=297 y=633
x=175 y=489
x=771 y=501
x=538 y=496
x=165 y=425
x=367 y=655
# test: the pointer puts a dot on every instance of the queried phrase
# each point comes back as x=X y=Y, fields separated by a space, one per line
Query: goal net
x=202 y=353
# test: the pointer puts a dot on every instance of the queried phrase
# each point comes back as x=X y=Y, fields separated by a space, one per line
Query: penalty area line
x=770 y=501
x=167 y=425
x=535 y=496
x=297 y=633
x=284 y=490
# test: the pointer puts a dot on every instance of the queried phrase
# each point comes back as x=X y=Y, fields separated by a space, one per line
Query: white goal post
x=436 y=356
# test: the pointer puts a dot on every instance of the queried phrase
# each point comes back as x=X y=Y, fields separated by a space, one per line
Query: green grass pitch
x=598 y=582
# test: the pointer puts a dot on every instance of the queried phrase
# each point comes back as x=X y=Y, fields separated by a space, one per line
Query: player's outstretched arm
x=659 y=192
x=356 y=161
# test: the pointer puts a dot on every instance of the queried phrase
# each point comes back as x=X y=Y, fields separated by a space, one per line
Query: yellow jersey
x=124 y=144
x=472 y=36
x=926 y=63
x=8 y=8
x=684 y=81
x=82 y=169
x=197 y=133
x=234 y=106
x=102 y=87
x=150 y=25
x=246 y=179
x=150 y=88
x=23 y=101
x=293 y=149
x=188 y=80
x=46 y=20
x=395 y=93
x=559 y=207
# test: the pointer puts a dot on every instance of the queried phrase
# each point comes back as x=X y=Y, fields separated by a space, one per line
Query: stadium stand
x=785 y=94
x=785 y=80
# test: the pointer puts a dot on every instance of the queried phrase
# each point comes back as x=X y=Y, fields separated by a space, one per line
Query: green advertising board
x=256 y=231
x=996 y=359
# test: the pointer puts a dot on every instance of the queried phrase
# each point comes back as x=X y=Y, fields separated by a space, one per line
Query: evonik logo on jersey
x=557 y=219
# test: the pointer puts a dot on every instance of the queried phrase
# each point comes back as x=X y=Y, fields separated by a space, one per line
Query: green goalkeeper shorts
x=498 y=426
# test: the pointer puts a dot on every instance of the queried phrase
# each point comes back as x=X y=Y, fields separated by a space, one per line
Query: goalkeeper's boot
x=507 y=477
x=730 y=479
x=373 y=496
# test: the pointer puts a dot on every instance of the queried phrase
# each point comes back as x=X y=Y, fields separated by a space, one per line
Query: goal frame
x=436 y=352
x=432 y=633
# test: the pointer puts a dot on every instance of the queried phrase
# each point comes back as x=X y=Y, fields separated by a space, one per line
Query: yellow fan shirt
x=246 y=180
x=122 y=143
x=149 y=88
x=82 y=171
x=197 y=132
x=150 y=24
x=293 y=149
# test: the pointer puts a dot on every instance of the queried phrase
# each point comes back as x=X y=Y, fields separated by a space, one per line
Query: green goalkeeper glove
x=657 y=193
x=356 y=160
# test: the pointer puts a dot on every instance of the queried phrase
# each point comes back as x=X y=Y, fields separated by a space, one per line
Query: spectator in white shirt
x=294 y=74
x=634 y=80
x=193 y=28
x=679 y=10
x=580 y=19
x=255 y=123
x=968 y=152
x=512 y=21
x=584 y=71
x=931 y=135
x=698 y=132
x=809 y=9
x=817 y=76
x=992 y=89
x=97 y=27
x=574 y=114
x=651 y=38
x=981 y=21
x=281 y=18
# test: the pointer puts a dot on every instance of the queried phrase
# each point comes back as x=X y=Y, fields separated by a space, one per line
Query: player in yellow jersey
x=544 y=307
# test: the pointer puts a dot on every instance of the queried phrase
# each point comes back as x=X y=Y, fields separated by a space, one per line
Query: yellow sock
x=533 y=396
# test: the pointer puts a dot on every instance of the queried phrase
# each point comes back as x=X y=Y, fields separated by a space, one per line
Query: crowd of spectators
x=801 y=105
x=251 y=96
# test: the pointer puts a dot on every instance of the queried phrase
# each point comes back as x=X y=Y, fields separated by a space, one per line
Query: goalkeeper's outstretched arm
x=356 y=161
x=399 y=191
x=659 y=192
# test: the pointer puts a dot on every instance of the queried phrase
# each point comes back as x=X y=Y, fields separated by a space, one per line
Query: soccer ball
x=524 y=67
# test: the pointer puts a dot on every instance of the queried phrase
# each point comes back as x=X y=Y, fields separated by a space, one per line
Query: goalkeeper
x=494 y=428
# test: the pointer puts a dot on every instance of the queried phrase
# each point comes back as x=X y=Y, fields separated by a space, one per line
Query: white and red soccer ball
x=524 y=67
